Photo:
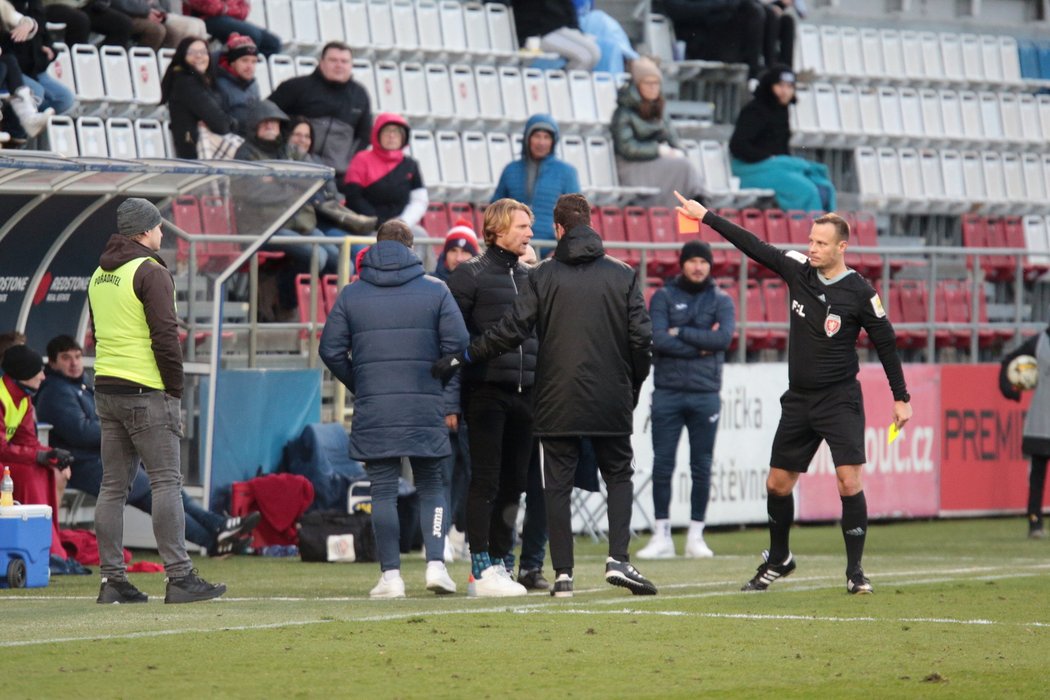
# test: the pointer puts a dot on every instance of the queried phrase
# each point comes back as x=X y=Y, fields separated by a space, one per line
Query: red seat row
x=209 y=214
x=998 y=232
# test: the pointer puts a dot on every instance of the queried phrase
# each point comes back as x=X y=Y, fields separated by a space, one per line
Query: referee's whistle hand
x=901 y=413
x=690 y=207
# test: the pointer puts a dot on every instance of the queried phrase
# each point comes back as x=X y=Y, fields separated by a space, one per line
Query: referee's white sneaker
x=390 y=585
x=661 y=545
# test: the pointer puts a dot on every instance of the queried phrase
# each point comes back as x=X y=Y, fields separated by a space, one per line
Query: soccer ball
x=1023 y=372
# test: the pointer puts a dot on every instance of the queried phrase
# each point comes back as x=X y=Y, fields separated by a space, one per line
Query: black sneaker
x=858 y=584
x=236 y=528
x=768 y=573
x=191 y=588
x=562 y=587
x=622 y=573
x=119 y=592
x=533 y=579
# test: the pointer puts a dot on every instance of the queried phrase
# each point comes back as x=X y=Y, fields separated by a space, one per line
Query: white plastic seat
x=1043 y=104
x=559 y=96
x=330 y=20
x=660 y=38
x=120 y=139
x=581 y=86
x=305 y=65
x=145 y=76
x=279 y=15
x=890 y=172
x=164 y=57
x=1010 y=116
x=1010 y=59
x=500 y=154
x=1036 y=239
x=952 y=56
x=262 y=77
x=972 y=64
x=1045 y=157
x=424 y=151
x=355 y=24
x=169 y=138
x=809 y=48
x=911 y=113
x=716 y=166
x=890 y=111
x=452 y=32
x=973 y=176
x=954 y=177
x=827 y=108
x=534 y=85
x=501 y=28
x=413 y=82
x=450 y=158
x=970 y=109
x=1013 y=177
x=87 y=70
x=61 y=69
x=932 y=118
x=991 y=58
x=306 y=26
x=871 y=50
x=868 y=104
x=257 y=14
x=1028 y=109
x=604 y=96
x=91 y=136
x=892 y=56
x=439 y=91
x=149 y=138
x=476 y=159
x=490 y=92
x=849 y=113
x=932 y=57
x=994 y=176
x=511 y=91
x=282 y=67
x=991 y=118
x=951 y=114
x=463 y=94
x=406 y=32
x=574 y=152
x=600 y=162
x=389 y=96
x=1034 y=178
x=831 y=50
x=364 y=73
x=852 y=52
x=911 y=54
x=932 y=176
x=380 y=24
x=475 y=23
x=867 y=167
x=428 y=25
x=910 y=174
x=806 y=109
x=62 y=136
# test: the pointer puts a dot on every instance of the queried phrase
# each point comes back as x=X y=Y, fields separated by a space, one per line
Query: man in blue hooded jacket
x=539 y=177
x=380 y=340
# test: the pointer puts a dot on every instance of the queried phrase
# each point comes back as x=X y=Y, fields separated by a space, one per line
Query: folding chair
x=535 y=87
x=475 y=23
x=145 y=75
x=306 y=25
x=500 y=154
x=120 y=139
x=380 y=24
x=330 y=20
x=149 y=138
x=355 y=24
x=440 y=95
x=559 y=96
x=62 y=136
x=91 y=135
x=388 y=87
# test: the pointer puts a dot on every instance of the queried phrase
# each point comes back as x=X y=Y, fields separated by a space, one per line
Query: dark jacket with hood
x=387 y=196
x=552 y=178
x=691 y=360
x=763 y=129
x=155 y=287
x=380 y=340
x=485 y=287
x=238 y=95
x=341 y=114
x=635 y=138
x=191 y=99
x=69 y=406
x=594 y=338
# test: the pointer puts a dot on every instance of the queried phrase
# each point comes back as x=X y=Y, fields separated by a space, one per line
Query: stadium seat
x=389 y=96
x=636 y=227
x=733 y=257
x=364 y=73
x=611 y=225
x=476 y=160
x=716 y=166
x=852 y=54
x=257 y=14
x=413 y=82
x=849 y=110
x=453 y=34
x=911 y=115
x=381 y=25
x=573 y=150
x=1010 y=116
x=865 y=231
x=871 y=51
x=1034 y=177
x=450 y=158
x=914 y=299
x=972 y=65
x=991 y=117
x=952 y=56
x=663 y=228
x=500 y=154
x=775 y=301
x=951 y=114
x=61 y=69
x=439 y=91
x=601 y=163
x=581 y=86
x=355 y=25
x=149 y=138
x=512 y=92
x=954 y=175
x=62 y=136
x=1037 y=241
x=424 y=149
x=534 y=85
x=799 y=224
x=831 y=50
x=116 y=75
x=659 y=36
x=120 y=139
x=435 y=221
x=754 y=220
x=932 y=56
x=406 y=32
x=776 y=226
x=475 y=24
x=957 y=298
x=262 y=77
x=186 y=214
x=973 y=176
x=305 y=65
x=502 y=36
x=809 y=48
x=91 y=137
x=604 y=96
x=826 y=104
x=279 y=18
x=1013 y=174
x=489 y=92
x=991 y=58
x=970 y=109
x=994 y=179
x=1031 y=130
x=890 y=111
x=330 y=292
x=282 y=67
x=145 y=76
x=303 y=288
x=428 y=26
x=805 y=110
x=757 y=338
x=911 y=55
x=932 y=176
x=329 y=20
x=305 y=24
x=87 y=70
x=652 y=285
x=911 y=176
x=559 y=96
x=868 y=104
x=889 y=173
x=892 y=55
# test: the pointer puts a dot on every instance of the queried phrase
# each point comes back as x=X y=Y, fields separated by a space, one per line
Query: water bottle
x=7 y=489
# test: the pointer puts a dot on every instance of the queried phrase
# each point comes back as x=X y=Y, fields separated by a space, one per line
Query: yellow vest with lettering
x=123 y=347
x=13 y=414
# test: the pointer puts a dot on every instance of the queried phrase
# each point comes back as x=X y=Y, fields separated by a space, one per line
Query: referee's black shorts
x=835 y=414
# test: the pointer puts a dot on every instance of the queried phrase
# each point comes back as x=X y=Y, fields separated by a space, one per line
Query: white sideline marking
x=163 y=633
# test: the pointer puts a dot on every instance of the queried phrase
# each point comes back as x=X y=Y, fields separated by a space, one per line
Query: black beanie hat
x=696 y=249
x=21 y=362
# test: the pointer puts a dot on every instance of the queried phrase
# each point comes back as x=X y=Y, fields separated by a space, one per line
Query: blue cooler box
x=25 y=546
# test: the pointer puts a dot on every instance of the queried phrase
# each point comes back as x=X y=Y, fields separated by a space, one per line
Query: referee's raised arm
x=749 y=244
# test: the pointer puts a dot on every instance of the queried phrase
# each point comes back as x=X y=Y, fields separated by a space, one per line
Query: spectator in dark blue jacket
x=396 y=321
x=539 y=177
x=693 y=322
x=67 y=402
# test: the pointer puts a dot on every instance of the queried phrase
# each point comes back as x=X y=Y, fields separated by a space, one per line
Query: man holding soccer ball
x=1020 y=370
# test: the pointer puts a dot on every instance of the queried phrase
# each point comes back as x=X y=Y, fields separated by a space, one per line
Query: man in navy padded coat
x=380 y=339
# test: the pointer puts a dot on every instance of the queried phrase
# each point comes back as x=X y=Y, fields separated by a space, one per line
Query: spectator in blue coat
x=67 y=401
x=693 y=322
x=380 y=339
x=539 y=177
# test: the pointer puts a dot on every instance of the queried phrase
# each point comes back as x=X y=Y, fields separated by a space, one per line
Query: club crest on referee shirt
x=832 y=324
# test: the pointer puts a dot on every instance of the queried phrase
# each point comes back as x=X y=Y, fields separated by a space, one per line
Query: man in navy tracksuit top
x=830 y=304
x=692 y=328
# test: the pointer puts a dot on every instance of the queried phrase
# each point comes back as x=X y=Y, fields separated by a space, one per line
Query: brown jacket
x=155 y=287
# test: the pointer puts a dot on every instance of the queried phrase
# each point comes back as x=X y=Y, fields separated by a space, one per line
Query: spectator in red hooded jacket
x=223 y=17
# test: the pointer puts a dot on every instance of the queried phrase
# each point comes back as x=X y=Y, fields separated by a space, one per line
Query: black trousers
x=499 y=419
x=560 y=457
x=115 y=26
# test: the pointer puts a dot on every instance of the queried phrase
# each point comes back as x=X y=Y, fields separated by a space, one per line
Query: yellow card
x=687 y=224
x=893 y=433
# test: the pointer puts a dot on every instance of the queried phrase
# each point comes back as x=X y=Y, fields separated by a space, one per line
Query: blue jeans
x=698 y=413
x=221 y=28
x=430 y=485
x=51 y=92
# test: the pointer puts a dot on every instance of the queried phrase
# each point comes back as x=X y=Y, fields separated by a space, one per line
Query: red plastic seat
x=775 y=297
x=1004 y=267
x=652 y=284
x=956 y=297
x=302 y=293
x=186 y=214
x=663 y=229
x=609 y=222
x=754 y=220
x=914 y=307
x=636 y=226
x=799 y=224
x=777 y=230
x=329 y=292
x=733 y=257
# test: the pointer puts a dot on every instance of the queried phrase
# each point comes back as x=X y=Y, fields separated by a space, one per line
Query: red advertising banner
x=982 y=467
x=900 y=480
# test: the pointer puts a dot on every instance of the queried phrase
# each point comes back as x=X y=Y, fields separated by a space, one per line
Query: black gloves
x=54 y=457
x=446 y=367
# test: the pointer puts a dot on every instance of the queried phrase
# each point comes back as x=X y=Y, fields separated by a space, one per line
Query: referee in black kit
x=830 y=303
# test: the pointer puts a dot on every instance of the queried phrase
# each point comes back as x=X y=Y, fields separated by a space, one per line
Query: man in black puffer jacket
x=497 y=397
x=594 y=337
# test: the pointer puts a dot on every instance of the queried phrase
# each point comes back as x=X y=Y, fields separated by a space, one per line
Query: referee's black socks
x=854 y=529
x=781 y=510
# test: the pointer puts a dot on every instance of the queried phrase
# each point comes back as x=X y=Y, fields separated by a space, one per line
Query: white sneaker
x=696 y=548
x=491 y=584
x=439 y=581
x=659 y=547
x=388 y=588
x=450 y=551
x=457 y=541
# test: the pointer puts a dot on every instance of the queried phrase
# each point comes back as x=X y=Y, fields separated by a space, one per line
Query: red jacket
x=238 y=9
